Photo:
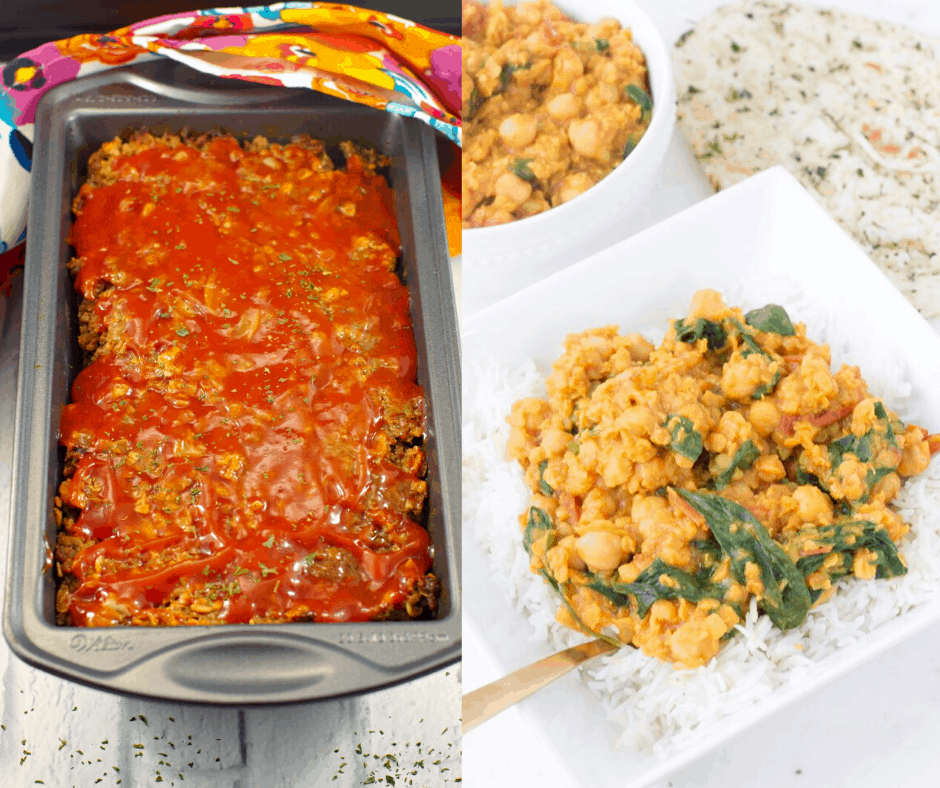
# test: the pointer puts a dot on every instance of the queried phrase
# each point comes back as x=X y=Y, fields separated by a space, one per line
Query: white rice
x=654 y=706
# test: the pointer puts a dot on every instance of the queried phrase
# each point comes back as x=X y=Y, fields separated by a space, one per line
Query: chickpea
x=564 y=107
x=886 y=488
x=609 y=75
x=915 y=457
x=734 y=427
x=530 y=14
x=579 y=477
x=863 y=416
x=557 y=558
x=812 y=504
x=603 y=29
x=600 y=550
x=585 y=138
x=769 y=468
x=574 y=185
x=606 y=96
x=741 y=376
x=566 y=68
x=555 y=441
x=764 y=417
x=647 y=511
x=637 y=420
x=640 y=347
x=597 y=505
x=707 y=304
x=850 y=481
x=865 y=564
x=513 y=187
x=518 y=130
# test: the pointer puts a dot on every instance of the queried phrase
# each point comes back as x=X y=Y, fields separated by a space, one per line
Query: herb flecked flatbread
x=849 y=105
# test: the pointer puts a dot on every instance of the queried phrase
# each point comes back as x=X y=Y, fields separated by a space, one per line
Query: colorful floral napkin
x=360 y=55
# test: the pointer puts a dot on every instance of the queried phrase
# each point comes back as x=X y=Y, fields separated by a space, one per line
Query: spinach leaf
x=686 y=441
x=750 y=341
x=520 y=168
x=882 y=414
x=710 y=551
x=860 y=447
x=846 y=537
x=649 y=587
x=476 y=101
x=602 y=45
x=765 y=388
x=544 y=487
x=751 y=346
x=843 y=509
x=785 y=597
x=702 y=329
x=605 y=587
x=506 y=74
x=803 y=476
x=771 y=318
x=628 y=148
x=865 y=447
x=584 y=627
x=874 y=476
x=538 y=524
x=641 y=97
x=742 y=459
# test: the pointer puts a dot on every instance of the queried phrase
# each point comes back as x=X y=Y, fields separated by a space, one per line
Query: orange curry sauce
x=259 y=359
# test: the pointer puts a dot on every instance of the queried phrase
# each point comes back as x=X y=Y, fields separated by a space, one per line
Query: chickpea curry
x=551 y=107
x=673 y=484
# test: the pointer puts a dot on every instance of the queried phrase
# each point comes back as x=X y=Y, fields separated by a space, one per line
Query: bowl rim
x=661 y=124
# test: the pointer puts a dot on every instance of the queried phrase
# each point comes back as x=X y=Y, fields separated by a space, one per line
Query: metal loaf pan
x=236 y=664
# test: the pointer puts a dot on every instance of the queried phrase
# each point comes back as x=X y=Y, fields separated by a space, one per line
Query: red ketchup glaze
x=260 y=363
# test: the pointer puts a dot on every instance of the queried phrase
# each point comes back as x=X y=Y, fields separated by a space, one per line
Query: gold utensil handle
x=488 y=701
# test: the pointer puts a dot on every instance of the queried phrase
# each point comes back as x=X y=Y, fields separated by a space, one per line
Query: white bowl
x=502 y=259
x=768 y=237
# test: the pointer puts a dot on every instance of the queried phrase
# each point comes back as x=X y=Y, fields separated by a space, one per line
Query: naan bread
x=849 y=105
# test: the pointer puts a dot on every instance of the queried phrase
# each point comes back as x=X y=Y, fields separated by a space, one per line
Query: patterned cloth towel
x=360 y=55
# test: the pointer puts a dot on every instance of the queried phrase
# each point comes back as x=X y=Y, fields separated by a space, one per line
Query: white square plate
x=766 y=227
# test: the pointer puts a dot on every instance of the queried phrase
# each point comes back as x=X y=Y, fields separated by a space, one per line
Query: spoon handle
x=490 y=700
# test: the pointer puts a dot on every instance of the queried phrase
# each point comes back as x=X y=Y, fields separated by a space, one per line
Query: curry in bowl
x=551 y=106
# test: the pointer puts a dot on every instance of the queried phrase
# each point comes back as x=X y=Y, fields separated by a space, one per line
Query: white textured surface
x=876 y=726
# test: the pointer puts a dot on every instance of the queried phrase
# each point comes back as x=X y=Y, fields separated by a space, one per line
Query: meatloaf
x=246 y=440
